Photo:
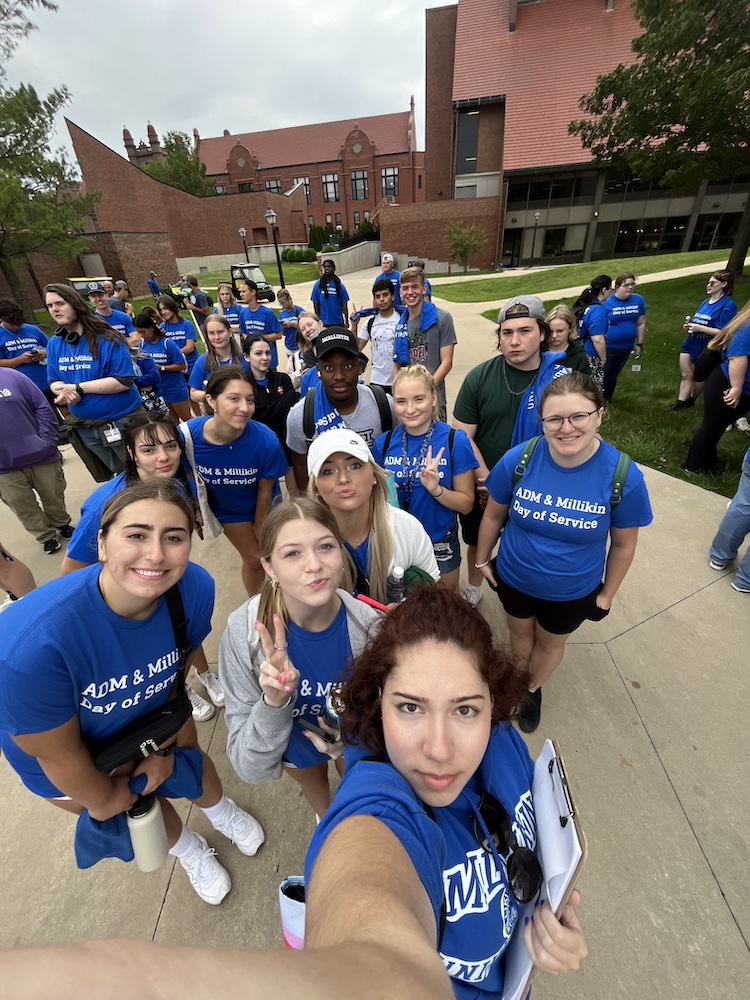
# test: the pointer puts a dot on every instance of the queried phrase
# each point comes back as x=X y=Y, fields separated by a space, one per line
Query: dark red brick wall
x=420 y=229
x=47 y=270
x=441 y=41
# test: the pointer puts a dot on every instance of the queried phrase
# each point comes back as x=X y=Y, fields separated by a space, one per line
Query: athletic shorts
x=694 y=346
x=557 y=617
x=470 y=522
x=448 y=551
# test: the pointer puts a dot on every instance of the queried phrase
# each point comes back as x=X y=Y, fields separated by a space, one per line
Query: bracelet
x=482 y=565
x=286 y=704
x=438 y=495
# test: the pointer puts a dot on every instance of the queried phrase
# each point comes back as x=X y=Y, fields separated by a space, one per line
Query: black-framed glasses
x=577 y=420
x=522 y=866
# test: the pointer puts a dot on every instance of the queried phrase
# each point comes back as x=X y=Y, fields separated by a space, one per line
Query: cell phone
x=310 y=727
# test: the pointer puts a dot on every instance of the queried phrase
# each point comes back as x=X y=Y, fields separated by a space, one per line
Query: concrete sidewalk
x=650 y=708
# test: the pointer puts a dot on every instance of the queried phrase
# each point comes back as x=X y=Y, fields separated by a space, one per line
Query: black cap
x=337 y=338
x=95 y=286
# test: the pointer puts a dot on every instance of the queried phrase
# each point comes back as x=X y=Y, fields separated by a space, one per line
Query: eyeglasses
x=576 y=420
x=522 y=868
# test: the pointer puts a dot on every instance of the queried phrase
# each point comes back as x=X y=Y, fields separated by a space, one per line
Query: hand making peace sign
x=430 y=474
x=278 y=676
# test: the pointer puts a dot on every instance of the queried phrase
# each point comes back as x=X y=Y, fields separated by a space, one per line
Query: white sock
x=187 y=845
x=216 y=815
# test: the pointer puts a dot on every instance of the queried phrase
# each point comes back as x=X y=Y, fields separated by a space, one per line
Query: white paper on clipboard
x=560 y=848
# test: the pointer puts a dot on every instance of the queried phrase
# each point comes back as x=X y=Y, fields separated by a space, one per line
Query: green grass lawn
x=639 y=420
x=568 y=276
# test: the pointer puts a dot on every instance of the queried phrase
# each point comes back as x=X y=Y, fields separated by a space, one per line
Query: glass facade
x=389 y=181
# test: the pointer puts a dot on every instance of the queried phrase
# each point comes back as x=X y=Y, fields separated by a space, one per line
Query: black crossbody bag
x=143 y=735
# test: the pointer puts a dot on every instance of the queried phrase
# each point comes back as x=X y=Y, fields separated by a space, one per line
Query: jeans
x=733 y=529
x=617 y=358
x=112 y=455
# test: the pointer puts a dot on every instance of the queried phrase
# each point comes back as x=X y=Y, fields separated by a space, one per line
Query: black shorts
x=470 y=522
x=556 y=617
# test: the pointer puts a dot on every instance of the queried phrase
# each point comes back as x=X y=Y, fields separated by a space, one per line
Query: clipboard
x=561 y=849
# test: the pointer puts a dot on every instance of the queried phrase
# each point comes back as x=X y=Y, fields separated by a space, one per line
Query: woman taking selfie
x=240 y=462
x=554 y=569
x=61 y=696
x=285 y=649
x=432 y=466
x=378 y=537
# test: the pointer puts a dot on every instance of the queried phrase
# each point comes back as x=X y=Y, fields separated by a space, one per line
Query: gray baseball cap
x=522 y=307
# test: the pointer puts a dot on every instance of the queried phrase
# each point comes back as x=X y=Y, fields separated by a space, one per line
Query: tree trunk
x=16 y=289
x=741 y=243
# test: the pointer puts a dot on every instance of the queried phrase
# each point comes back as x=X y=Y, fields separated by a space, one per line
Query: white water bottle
x=148 y=833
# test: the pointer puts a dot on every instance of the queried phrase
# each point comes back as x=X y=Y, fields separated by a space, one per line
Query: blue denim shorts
x=448 y=551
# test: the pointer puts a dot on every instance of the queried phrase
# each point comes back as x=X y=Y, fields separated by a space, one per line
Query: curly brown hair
x=431 y=614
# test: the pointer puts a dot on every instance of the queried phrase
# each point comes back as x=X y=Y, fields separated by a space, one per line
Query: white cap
x=332 y=441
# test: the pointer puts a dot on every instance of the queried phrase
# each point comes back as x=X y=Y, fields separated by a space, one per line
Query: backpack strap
x=618 y=480
x=387 y=443
x=308 y=418
x=368 y=327
x=523 y=461
x=451 y=438
x=384 y=410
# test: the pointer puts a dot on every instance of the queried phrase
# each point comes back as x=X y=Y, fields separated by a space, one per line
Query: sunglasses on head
x=522 y=868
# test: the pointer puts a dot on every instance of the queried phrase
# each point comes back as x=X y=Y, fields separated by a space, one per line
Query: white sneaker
x=209 y=879
x=245 y=832
x=742 y=425
x=472 y=594
x=213 y=687
x=202 y=710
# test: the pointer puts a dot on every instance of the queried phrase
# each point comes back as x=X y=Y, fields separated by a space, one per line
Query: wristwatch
x=78 y=388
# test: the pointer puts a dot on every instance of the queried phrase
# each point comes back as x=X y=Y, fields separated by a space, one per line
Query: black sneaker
x=66 y=531
x=51 y=546
x=531 y=713
x=683 y=404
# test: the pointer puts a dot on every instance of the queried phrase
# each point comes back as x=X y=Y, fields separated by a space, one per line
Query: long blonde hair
x=219 y=306
x=722 y=338
x=566 y=314
x=380 y=549
x=420 y=372
x=300 y=509
x=212 y=359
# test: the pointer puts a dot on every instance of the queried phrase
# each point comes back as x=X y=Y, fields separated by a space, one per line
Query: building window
x=467 y=142
x=329 y=220
x=338 y=220
x=389 y=182
x=360 y=186
x=330 y=184
x=244 y=188
x=221 y=189
x=310 y=221
x=356 y=220
x=274 y=187
x=306 y=182
x=367 y=216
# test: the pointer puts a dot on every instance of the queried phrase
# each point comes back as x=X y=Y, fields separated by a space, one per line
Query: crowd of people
x=355 y=647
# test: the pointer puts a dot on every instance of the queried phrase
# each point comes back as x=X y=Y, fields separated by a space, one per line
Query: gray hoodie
x=258 y=735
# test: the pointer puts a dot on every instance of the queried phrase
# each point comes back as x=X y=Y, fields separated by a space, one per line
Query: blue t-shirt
x=436 y=519
x=180 y=333
x=456 y=872
x=262 y=321
x=26 y=338
x=320 y=658
x=360 y=555
x=393 y=277
x=231 y=313
x=330 y=309
x=165 y=352
x=73 y=363
x=714 y=314
x=86 y=661
x=290 y=332
x=309 y=381
x=200 y=374
x=554 y=545
x=623 y=320
x=738 y=347
x=233 y=471
x=119 y=320
x=595 y=323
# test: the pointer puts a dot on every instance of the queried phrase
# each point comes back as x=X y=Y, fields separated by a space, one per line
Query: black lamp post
x=271 y=220
x=243 y=233
x=533 y=240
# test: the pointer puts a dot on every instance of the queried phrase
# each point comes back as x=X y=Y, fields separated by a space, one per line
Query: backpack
x=618 y=479
x=308 y=413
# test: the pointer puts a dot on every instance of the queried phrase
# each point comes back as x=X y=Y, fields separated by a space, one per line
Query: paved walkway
x=650 y=708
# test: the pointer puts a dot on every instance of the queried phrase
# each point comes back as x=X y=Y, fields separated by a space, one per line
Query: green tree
x=41 y=206
x=180 y=169
x=15 y=25
x=464 y=242
x=680 y=114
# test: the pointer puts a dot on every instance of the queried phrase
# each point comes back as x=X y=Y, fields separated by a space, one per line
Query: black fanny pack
x=143 y=735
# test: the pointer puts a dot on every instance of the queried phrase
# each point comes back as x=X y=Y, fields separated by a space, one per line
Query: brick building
x=347 y=169
x=503 y=79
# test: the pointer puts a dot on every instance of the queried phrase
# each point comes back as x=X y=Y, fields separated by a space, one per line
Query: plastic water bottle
x=395 y=588
x=148 y=834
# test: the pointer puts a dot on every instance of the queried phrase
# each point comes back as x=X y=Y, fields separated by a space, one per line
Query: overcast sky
x=176 y=64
